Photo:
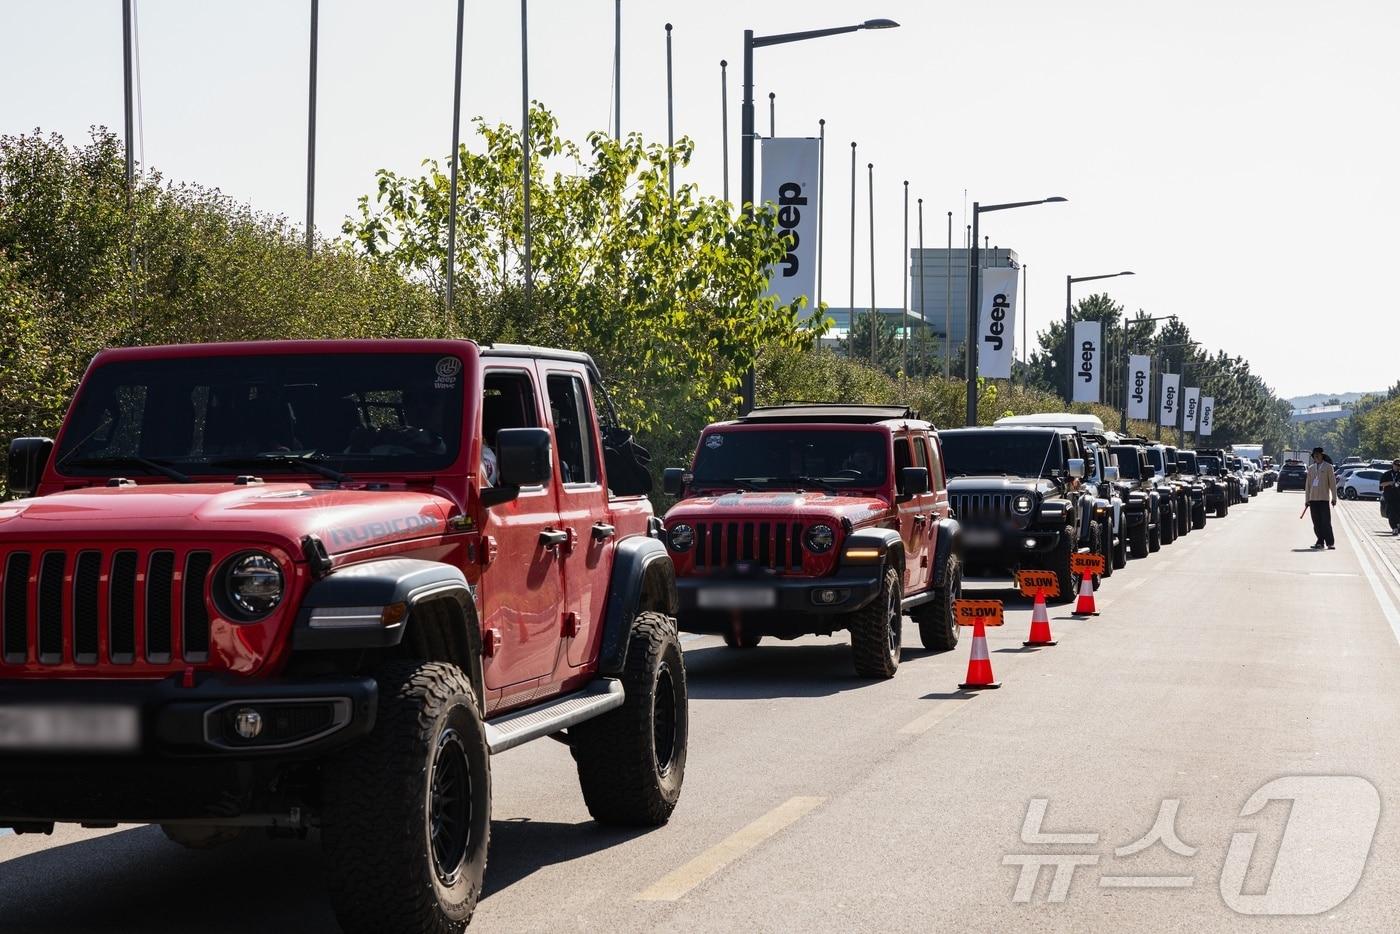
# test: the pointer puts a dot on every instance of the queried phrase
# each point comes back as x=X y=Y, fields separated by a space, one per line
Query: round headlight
x=681 y=537
x=253 y=584
x=820 y=538
x=1023 y=503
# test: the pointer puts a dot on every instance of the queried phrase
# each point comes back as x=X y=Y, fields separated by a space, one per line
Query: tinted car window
x=200 y=414
x=1127 y=462
x=839 y=457
x=1018 y=453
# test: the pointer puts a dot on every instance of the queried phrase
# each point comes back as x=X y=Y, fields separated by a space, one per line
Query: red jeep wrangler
x=299 y=585
x=811 y=518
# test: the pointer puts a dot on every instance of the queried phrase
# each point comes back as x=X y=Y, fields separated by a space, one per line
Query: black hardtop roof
x=848 y=413
x=1022 y=429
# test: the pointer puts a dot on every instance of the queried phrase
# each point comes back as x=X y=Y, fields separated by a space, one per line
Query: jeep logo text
x=1086 y=366
x=998 y=325
x=790 y=200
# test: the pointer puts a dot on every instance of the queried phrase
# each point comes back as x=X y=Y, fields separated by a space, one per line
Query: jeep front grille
x=974 y=507
x=86 y=607
x=774 y=545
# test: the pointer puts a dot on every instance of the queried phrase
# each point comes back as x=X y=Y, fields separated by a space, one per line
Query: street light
x=974 y=286
x=746 y=130
x=1069 y=324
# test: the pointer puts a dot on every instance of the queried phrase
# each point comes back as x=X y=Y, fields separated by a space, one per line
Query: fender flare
x=643 y=578
x=947 y=539
x=376 y=584
x=889 y=541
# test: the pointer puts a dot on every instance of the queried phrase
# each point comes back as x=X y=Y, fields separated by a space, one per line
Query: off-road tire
x=1198 y=516
x=1139 y=541
x=384 y=871
x=876 y=630
x=1120 y=553
x=1223 y=509
x=1167 y=525
x=1183 y=521
x=1059 y=563
x=631 y=760
x=938 y=627
x=1106 y=544
x=1154 y=538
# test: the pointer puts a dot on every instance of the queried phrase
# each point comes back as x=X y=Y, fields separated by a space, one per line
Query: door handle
x=602 y=531
x=920 y=518
x=553 y=538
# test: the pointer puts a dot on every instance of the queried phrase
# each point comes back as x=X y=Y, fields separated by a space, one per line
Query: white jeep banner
x=1207 y=415
x=790 y=183
x=1190 y=407
x=1088 y=360
x=996 y=328
x=1171 y=400
x=1139 y=385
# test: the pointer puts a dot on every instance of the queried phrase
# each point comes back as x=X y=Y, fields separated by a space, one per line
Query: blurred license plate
x=87 y=728
x=736 y=598
x=981 y=538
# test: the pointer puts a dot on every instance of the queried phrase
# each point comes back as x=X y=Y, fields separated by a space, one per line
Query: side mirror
x=28 y=458
x=1111 y=474
x=524 y=457
x=1076 y=468
x=913 y=481
x=673 y=481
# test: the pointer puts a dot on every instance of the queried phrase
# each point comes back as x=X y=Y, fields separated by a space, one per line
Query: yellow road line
x=678 y=883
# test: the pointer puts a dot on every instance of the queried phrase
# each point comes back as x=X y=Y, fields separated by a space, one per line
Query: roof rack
x=828 y=412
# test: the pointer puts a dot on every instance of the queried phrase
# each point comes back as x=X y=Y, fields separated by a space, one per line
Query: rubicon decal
x=350 y=535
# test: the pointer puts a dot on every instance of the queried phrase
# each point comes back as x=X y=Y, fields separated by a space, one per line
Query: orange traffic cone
x=979 y=666
x=1085 y=605
x=1040 y=622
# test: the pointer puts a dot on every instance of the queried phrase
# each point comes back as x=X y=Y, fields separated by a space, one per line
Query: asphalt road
x=818 y=802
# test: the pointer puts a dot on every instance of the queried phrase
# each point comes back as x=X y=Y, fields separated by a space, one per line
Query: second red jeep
x=814 y=518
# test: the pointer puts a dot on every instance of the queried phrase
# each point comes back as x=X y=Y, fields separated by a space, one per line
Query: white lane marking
x=678 y=883
x=1392 y=615
x=941 y=711
x=691 y=637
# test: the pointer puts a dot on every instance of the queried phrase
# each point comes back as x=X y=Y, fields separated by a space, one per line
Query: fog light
x=828 y=596
x=247 y=723
x=1028 y=543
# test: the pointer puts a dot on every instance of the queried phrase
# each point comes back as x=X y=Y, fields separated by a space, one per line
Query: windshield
x=1155 y=457
x=1015 y=453
x=1209 y=464
x=209 y=415
x=1127 y=462
x=799 y=457
x=1186 y=463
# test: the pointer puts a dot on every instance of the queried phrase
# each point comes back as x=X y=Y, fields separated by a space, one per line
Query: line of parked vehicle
x=813 y=518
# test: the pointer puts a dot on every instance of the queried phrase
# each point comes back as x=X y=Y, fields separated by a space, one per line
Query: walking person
x=1390 y=496
x=1321 y=496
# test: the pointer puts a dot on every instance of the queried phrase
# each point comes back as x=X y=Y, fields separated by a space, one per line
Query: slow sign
x=972 y=612
x=1033 y=582
x=1086 y=564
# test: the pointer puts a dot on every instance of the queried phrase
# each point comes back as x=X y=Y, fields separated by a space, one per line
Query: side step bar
x=518 y=728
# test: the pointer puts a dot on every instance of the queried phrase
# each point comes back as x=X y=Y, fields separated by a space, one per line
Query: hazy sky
x=1239 y=155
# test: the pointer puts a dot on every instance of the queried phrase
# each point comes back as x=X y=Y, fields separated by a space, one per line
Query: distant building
x=1319 y=413
x=841 y=322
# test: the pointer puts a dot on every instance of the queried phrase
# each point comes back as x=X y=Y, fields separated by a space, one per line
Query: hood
x=997 y=484
x=344 y=519
x=858 y=509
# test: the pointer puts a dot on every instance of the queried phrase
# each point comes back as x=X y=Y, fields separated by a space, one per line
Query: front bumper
x=1012 y=547
x=58 y=719
x=707 y=604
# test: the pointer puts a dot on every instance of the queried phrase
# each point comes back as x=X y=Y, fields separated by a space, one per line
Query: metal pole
x=874 y=318
x=904 y=277
x=525 y=140
x=724 y=124
x=126 y=95
x=310 y=131
x=974 y=286
x=772 y=116
x=1069 y=340
x=670 y=122
x=852 y=303
x=748 y=389
x=948 y=304
x=821 y=205
x=1025 y=325
x=452 y=184
x=617 y=71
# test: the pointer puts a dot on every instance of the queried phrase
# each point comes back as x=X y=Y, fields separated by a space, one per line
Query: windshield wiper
x=740 y=485
x=304 y=461
x=798 y=481
x=128 y=460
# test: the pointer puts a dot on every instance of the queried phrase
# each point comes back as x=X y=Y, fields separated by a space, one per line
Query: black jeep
x=1018 y=496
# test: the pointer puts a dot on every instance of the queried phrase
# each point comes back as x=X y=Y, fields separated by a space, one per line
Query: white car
x=1362 y=484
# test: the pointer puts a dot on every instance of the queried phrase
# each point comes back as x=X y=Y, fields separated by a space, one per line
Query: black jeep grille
x=774 y=545
x=77 y=597
x=981 y=507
